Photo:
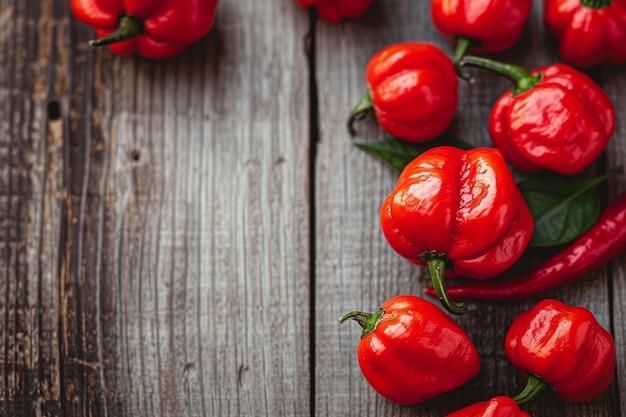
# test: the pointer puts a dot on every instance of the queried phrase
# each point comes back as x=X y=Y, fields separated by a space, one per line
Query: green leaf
x=563 y=207
x=398 y=153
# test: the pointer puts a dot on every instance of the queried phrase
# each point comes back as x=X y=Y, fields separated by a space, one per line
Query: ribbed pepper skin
x=562 y=123
x=565 y=347
x=415 y=352
x=169 y=26
x=499 y=406
x=414 y=90
x=334 y=11
x=589 y=32
x=492 y=25
x=463 y=205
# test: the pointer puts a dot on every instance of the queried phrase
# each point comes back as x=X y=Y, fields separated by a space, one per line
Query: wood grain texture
x=155 y=244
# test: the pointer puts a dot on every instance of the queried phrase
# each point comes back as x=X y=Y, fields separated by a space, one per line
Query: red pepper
x=413 y=90
x=589 y=32
x=152 y=28
x=410 y=351
x=460 y=210
x=563 y=348
x=335 y=10
x=604 y=241
x=484 y=26
x=555 y=118
x=499 y=406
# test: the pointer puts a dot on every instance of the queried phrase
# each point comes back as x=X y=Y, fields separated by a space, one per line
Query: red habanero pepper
x=335 y=10
x=555 y=118
x=563 y=348
x=410 y=351
x=458 y=210
x=152 y=28
x=499 y=406
x=605 y=240
x=484 y=26
x=412 y=89
x=589 y=32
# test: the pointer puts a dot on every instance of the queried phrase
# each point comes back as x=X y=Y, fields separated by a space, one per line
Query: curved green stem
x=368 y=321
x=595 y=4
x=360 y=111
x=462 y=46
x=520 y=77
x=128 y=27
x=534 y=387
x=437 y=268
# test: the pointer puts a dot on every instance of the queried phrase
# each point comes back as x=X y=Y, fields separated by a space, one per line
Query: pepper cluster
x=460 y=212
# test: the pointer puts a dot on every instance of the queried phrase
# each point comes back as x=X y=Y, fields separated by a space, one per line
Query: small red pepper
x=589 y=32
x=483 y=26
x=413 y=90
x=410 y=351
x=606 y=240
x=499 y=406
x=335 y=10
x=152 y=28
x=459 y=210
x=555 y=118
x=563 y=348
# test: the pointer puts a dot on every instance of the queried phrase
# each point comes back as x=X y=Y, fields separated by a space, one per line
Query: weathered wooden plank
x=33 y=98
x=190 y=253
x=356 y=270
x=614 y=81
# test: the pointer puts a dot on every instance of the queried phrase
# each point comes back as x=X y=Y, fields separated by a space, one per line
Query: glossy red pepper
x=412 y=89
x=606 y=240
x=555 y=118
x=589 y=32
x=483 y=26
x=410 y=351
x=564 y=349
x=152 y=28
x=335 y=10
x=459 y=210
x=499 y=406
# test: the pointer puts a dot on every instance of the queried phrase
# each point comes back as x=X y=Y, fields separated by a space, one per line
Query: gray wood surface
x=179 y=237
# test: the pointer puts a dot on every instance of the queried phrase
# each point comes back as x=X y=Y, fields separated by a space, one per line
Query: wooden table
x=179 y=237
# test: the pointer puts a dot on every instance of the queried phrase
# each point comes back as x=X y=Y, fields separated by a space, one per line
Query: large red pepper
x=555 y=118
x=151 y=28
x=335 y=10
x=589 y=32
x=604 y=241
x=410 y=351
x=499 y=406
x=413 y=90
x=562 y=348
x=484 y=26
x=459 y=210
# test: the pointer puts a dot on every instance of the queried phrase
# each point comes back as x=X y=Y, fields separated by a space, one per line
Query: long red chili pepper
x=604 y=241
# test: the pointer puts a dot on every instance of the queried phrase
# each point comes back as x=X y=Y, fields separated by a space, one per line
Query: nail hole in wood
x=54 y=110
x=135 y=155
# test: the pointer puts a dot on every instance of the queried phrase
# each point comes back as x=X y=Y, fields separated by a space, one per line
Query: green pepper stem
x=368 y=321
x=595 y=4
x=128 y=27
x=520 y=77
x=462 y=46
x=437 y=268
x=360 y=111
x=534 y=387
